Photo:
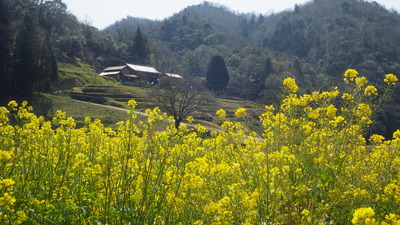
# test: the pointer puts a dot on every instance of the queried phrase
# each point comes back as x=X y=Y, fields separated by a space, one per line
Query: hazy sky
x=101 y=13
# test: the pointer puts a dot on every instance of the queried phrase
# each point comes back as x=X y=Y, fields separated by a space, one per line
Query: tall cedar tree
x=48 y=69
x=25 y=59
x=217 y=76
x=34 y=62
x=5 y=43
x=139 y=51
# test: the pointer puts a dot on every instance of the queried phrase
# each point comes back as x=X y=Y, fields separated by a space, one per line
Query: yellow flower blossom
x=200 y=128
x=338 y=119
x=307 y=129
x=348 y=96
x=171 y=119
x=221 y=113
x=331 y=111
x=305 y=212
x=351 y=73
x=5 y=155
x=6 y=183
x=314 y=114
x=377 y=139
x=390 y=79
x=361 y=82
x=240 y=113
x=391 y=189
x=362 y=214
x=290 y=83
x=393 y=218
x=7 y=200
x=363 y=110
x=12 y=104
x=132 y=103
x=270 y=107
x=370 y=90
x=315 y=96
x=396 y=134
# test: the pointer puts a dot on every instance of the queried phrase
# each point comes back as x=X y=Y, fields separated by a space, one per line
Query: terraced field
x=118 y=96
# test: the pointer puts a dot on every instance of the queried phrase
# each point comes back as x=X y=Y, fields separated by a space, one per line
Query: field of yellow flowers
x=310 y=165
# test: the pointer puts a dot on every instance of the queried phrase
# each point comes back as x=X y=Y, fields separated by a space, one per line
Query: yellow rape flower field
x=311 y=165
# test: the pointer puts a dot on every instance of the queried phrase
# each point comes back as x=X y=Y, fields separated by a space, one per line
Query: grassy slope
x=80 y=110
x=74 y=73
x=77 y=77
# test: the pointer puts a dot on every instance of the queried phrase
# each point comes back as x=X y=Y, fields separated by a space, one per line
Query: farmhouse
x=119 y=73
x=133 y=73
x=136 y=74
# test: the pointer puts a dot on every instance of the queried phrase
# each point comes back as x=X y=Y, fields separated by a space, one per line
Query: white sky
x=101 y=13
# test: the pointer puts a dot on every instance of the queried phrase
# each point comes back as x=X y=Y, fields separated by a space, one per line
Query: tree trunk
x=177 y=123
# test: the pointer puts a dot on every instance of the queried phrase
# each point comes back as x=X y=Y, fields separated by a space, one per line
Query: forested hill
x=313 y=42
x=333 y=35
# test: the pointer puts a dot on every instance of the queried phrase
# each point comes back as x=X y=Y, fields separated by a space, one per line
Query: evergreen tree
x=139 y=51
x=47 y=67
x=25 y=70
x=5 y=43
x=217 y=76
x=34 y=65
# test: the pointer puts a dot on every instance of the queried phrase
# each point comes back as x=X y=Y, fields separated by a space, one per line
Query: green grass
x=80 y=110
x=143 y=95
x=77 y=74
x=48 y=104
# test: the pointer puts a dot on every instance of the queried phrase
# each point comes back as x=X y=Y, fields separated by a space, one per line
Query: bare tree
x=180 y=97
